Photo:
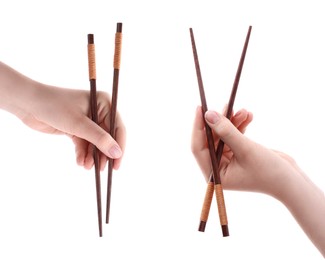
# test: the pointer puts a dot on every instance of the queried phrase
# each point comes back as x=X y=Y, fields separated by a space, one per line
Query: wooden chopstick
x=233 y=92
x=233 y=96
x=94 y=117
x=116 y=65
x=210 y=139
x=214 y=180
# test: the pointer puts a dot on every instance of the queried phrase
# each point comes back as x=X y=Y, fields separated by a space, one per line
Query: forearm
x=306 y=202
x=17 y=91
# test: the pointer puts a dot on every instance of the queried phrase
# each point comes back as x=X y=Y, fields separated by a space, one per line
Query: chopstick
x=94 y=117
x=210 y=139
x=116 y=65
x=214 y=183
x=228 y=115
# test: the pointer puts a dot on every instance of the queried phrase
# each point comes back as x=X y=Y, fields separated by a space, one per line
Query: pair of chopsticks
x=94 y=117
x=214 y=184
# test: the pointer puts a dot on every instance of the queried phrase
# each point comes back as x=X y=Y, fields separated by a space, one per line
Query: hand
x=67 y=111
x=57 y=110
x=249 y=166
x=246 y=165
x=200 y=146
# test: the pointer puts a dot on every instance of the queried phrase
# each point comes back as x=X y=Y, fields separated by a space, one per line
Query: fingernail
x=212 y=117
x=115 y=152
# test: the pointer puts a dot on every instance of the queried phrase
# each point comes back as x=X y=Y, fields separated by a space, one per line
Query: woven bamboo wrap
x=91 y=61
x=207 y=202
x=118 y=47
x=221 y=204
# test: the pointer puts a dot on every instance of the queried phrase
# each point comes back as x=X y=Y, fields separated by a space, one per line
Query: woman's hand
x=56 y=110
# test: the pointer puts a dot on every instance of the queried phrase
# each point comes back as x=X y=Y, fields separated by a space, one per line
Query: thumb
x=228 y=133
x=96 y=135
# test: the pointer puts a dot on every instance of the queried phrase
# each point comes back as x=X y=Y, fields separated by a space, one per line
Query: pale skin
x=249 y=166
x=56 y=110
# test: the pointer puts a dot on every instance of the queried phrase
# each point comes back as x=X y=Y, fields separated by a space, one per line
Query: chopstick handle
x=206 y=206
x=209 y=193
x=222 y=209
x=118 y=47
x=91 y=57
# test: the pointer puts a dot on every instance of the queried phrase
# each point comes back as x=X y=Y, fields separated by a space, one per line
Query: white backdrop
x=48 y=203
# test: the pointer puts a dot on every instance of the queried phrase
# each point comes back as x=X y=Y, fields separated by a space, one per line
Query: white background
x=48 y=203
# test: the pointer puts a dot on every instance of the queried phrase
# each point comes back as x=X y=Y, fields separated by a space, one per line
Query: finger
x=90 y=131
x=242 y=128
x=84 y=153
x=226 y=131
x=224 y=112
x=239 y=118
x=242 y=119
x=89 y=160
x=80 y=149
x=120 y=136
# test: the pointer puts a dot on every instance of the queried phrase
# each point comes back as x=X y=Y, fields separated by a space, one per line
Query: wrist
x=287 y=184
x=306 y=202
x=17 y=91
x=22 y=101
x=296 y=188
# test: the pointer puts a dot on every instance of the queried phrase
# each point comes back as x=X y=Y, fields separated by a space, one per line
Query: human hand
x=249 y=166
x=55 y=110
x=245 y=165
x=199 y=143
x=66 y=111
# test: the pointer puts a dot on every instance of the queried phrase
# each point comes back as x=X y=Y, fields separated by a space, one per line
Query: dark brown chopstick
x=233 y=92
x=116 y=65
x=229 y=109
x=210 y=139
x=215 y=176
x=94 y=117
